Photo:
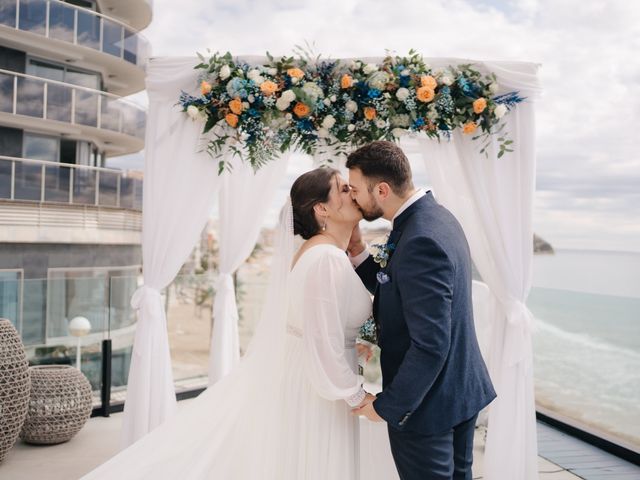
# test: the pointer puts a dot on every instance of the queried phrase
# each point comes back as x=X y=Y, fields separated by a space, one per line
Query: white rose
x=288 y=116
x=398 y=132
x=380 y=123
x=446 y=80
x=333 y=98
x=323 y=132
x=294 y=80
x=245 y=105
x=378 y=80
x=313 y=90
x=225 y=72
x=402 y=94
x=405 y=73
x=327 y=102
x=272 y=71
x=288 y=95
x=369 y=68
x=282 y=103
x=329 y=121
x=493 y=88
x=500 y=111
x=251 y=98
x=351 y=127
x=252 y=74
x=193 y=112
x=351 y=106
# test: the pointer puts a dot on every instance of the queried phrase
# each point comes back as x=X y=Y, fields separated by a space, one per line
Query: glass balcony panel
x=130 y=46
x=61 y=21
x=33 y=16
x=88 y=30
x=10 y=297
x=5 y=179
x=34 y=312
x=28 y=178
x=57 y=183
x=110 y=115
x=108 y=189
x=59 y=103
x=8 y=13
x=30 y=97
x=84 y=187
x=6 y=92
x=86 y=108
x=133 y=120
x=112 y=38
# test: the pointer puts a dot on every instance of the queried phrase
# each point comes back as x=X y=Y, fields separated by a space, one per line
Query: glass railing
x=36 y=97
x=77 y=26
x=42 y=181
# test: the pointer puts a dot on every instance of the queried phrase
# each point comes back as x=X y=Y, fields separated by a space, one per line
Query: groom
x=434 y=379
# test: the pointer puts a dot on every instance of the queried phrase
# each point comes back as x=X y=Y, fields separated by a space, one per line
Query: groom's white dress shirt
x=358 y=259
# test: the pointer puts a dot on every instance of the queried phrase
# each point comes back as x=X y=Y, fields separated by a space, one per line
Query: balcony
x=115 y=124
x=53 y=202
x=76 y=34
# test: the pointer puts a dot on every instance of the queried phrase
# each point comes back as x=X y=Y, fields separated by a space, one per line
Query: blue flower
x=374 y=93
x=382 y=277
x=404 y=81
x=237 y=88
x=419 y=122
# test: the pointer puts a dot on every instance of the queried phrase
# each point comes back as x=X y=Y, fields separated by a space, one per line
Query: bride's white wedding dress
x=285 y=412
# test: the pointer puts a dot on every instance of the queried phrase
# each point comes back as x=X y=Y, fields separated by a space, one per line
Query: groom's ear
x=384 y=190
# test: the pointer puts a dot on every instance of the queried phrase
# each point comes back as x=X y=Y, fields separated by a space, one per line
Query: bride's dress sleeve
x=326 y=365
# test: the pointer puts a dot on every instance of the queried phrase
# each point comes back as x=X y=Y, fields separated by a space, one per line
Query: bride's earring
x=324 y=227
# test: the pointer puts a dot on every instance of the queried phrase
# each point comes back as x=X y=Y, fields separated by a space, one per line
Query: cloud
x=588 y=164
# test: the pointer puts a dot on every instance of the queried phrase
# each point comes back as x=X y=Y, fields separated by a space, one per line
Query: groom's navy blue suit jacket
x=433 y=375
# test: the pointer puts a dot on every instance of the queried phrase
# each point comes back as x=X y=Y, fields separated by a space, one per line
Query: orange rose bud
x=346 y=81
x=370 y=113
x=268 y=88
x=469 y=127
x=425 y=94
x=479 y=105
x=205 y=87
x=295 y=72
x=232 y=119
x=235 y=106
x=301 y=110
x=428 y=81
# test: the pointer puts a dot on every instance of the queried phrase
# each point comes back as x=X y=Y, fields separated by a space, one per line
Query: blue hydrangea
x=237 y=87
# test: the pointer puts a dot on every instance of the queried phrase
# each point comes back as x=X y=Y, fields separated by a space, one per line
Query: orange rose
x=425 y=94
x=370 y=113
x=428 y=81
x=295 y=72
x=479 y=105
x=268 y=88
x=301 y=110
x=469 y=127
x=232 y=119
x=235 y=106
x=346 y=81
x=205 y=87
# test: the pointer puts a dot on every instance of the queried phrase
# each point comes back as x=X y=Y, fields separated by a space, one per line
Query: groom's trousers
x=443 y=456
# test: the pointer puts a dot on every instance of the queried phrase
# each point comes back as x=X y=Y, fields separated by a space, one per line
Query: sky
x=588 y=166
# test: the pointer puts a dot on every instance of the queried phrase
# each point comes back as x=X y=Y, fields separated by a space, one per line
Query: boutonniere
x=381 y=252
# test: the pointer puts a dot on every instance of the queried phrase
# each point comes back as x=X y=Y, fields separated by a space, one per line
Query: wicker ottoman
x=14 y=386
x=59 y=405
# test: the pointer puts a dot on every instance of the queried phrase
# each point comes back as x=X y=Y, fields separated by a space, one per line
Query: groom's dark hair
x=383 y=161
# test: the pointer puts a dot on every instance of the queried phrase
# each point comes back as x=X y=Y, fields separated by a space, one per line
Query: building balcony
x=136 y=13
x=113 y=123
x=75 y=35
x=48 y=202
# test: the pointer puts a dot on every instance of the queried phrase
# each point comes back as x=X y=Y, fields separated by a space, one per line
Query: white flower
x=193 y=112
x=323 y=132
x=369 y=68
x=272 y=71
x=253 y=74
x=400 y=120
x=329 y=121
x=432 y=115
x=282 y=103
x=327 y=102
x=351 y=127
x=387 y=95
x=351 y=106
x=378 y=80
x=245 y=105
x=294 y=80
x=288 y=116
x=446 y=80
x=380 y=123
x=398 y=132
x=333 y=98
x=251 y=98
x=402 y=94
x=500 y=111
x=288 y=95
x=493 y=88
x=405 y=73
x=313 y=91
x=225 y=72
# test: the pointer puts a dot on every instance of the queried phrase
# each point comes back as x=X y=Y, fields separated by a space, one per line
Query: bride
x=286 y=412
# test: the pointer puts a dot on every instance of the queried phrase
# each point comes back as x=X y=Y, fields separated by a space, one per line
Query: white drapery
x=493 y=199
x=245 y=197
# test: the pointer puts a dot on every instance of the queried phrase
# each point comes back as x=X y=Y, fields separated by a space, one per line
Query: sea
x=587 y=338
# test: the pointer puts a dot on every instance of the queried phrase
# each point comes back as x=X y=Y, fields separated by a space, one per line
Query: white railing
x=43 y=181
x=37 y=97
x=76 y=25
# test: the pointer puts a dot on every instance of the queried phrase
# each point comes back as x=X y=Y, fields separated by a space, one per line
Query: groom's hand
x=366 y=408
x=356 y=244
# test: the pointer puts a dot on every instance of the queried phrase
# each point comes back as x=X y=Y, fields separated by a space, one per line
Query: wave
x=585 y=340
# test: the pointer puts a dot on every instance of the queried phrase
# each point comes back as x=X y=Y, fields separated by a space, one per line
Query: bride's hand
x=356 y=244
x=365 y=351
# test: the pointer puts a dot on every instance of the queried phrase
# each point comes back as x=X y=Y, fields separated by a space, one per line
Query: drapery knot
x=518 y=314
x=147 y=299
x=519 y=329
x=224 y=283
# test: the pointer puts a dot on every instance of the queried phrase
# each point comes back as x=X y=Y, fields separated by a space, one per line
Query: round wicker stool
x=14 y=386
x=59 y=405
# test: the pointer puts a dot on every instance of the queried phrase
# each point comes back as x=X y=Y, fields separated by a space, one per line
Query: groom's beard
x=371 y=214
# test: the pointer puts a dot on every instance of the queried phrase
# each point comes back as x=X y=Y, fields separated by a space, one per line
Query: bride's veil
x=233 y=429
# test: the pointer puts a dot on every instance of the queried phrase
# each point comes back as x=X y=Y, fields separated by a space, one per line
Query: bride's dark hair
x=308 y=190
